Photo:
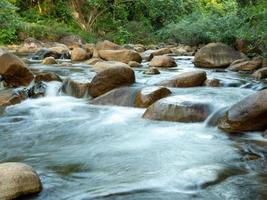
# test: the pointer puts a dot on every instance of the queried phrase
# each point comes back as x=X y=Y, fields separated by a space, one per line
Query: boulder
x=47 y=77
x=122 y=55
x=14 y=71
x=148 y=95
x=75 y=89
x=61 y=49
x=79 y=54
x=176 y=109
x=260 y=73
x=49 y=61
x=134 y=64
x=249 y=114
x=248 y=65
x=107 y=45
x=151 y=71
x=18 y=179
x=111 y=78
x=100 y=66
x=132 y=96
x=187 y=79
x=162 y=61
x=149 y=54
x=10 y=97
x=216 y=55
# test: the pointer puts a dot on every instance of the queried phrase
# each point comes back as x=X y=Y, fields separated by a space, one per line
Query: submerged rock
x=111 y=78
x=134 y=64
x=249 y=114
x=212 y=83
x=162 y=61
x=151 y=71
x=49 y=61
x=123 y=55
x=45 y=52
x=178 y=110
x=187 y=79
x=14 y=71
x=75 y=89
x=18 y=179
x=216 y=55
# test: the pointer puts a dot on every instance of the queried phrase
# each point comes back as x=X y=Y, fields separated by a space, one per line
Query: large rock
x=122 y=55
x=216 y=55
x=72 y=41
x=93 y=61
x=75 y=89
x=248 y=65
x=260 y=74
x=132 y=96
x=30 y=45
x=249 y=114
x=187 y=79
x=107 y=45
x=79 y=54
x=14 y=72
x=100 y=66
x=149 y=95
x=10 y=97
x=149 y=54
x=176 y=109
x=18 y=179
x=111 y=78
x=47 y=77
x=163 y=61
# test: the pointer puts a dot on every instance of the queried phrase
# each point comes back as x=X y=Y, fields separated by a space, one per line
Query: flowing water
x=83 y=151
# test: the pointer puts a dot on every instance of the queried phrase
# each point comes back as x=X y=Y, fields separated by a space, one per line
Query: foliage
x=136 y=21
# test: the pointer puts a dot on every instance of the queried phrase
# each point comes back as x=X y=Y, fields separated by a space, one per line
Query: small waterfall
x=52 y=89
x=215 y=116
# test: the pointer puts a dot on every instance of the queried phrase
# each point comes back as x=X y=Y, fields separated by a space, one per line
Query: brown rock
x=149 y=95
x=14 y=72
x=134 y=64
x=79 y=54
x=18 y=179
x=75 y=89
x=212 y=83
x=149 y=54
x=132 y=96
x=249 y=65
x=123 y=55
x=216 y=55
x=107 y=45
x=72 y=41
x=260 y=73
x=111 y=78
x=178 y=110
x=187 y=79
x=47 y=77
x=152 y=71
x=49 y=61
x=163 y=61
x=8 y=97
x=100 y=66
x=249 y=114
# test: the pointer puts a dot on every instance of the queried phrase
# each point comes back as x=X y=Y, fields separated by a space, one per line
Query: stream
x=83 y=151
